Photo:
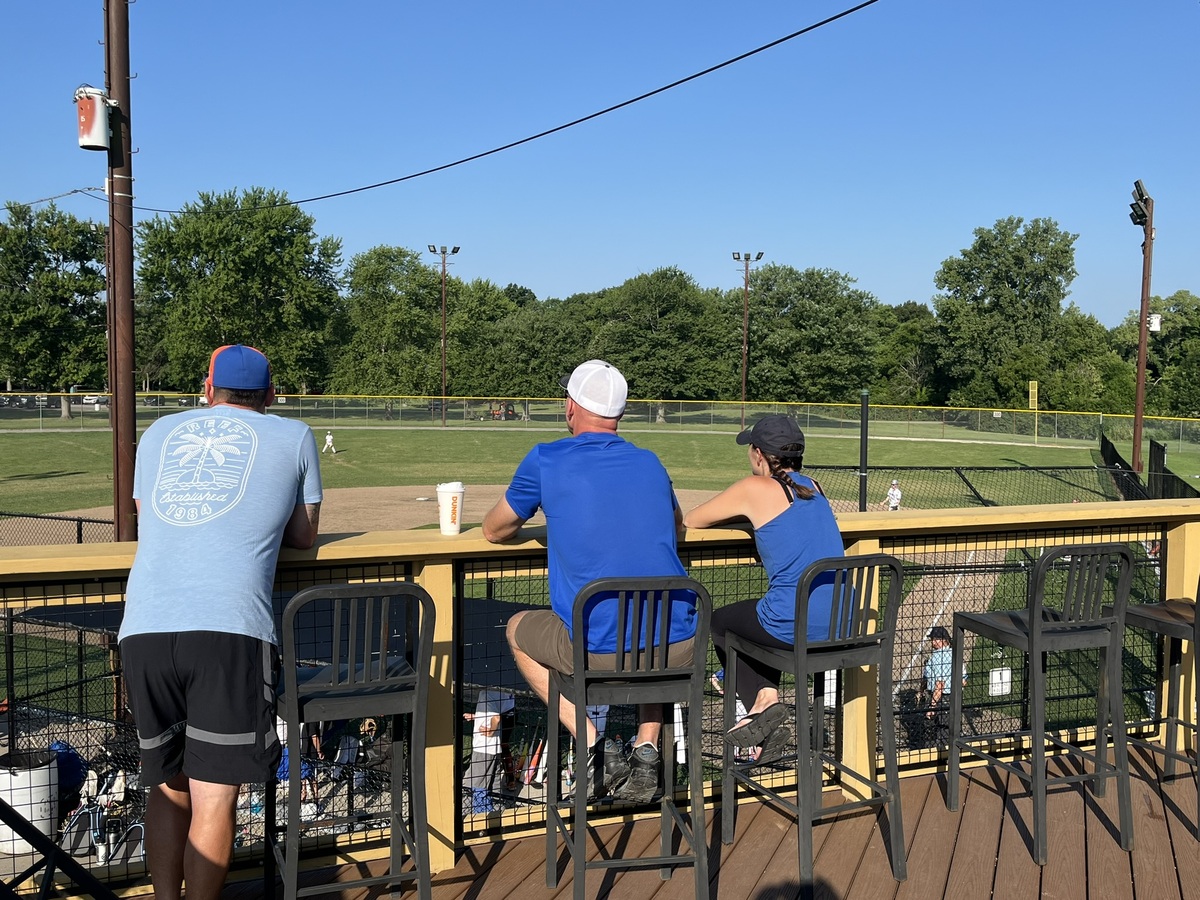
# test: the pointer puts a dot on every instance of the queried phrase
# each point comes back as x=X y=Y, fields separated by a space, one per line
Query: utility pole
x=745 y=259
x=444 y=253
x=1142 y=214
x=120 y=268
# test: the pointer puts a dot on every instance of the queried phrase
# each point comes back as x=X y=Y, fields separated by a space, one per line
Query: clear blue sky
x=873 y=146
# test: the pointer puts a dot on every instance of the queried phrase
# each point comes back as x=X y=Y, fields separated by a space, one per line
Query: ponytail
x=781 y=466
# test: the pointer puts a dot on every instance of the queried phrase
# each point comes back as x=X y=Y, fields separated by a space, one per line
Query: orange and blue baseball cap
x=237 y=367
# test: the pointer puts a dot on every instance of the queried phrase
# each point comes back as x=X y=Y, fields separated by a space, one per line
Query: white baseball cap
x=599 y=387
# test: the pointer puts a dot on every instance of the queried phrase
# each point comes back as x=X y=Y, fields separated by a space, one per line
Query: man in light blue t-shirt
x=939 y=669
x=610 y=512
x=218 y=490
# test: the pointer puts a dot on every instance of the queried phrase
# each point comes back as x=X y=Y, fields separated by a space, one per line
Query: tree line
x=251 y=268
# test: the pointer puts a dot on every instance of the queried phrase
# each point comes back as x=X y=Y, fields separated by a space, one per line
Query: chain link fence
x=1021 y=426
x=22 y=530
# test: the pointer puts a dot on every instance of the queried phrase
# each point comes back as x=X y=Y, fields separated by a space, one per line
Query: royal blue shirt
x=803 y=533
x=610 y=513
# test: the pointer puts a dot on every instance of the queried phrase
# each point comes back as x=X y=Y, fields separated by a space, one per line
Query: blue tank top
x=804 y=532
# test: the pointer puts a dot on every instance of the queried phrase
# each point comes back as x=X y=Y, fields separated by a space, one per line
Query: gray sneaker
x=642 y=785
x=605 y=768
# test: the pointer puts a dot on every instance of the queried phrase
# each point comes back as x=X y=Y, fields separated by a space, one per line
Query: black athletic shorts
x=204 y=705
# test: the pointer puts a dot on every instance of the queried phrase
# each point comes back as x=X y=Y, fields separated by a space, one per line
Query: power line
x=64 y=194
x=542 y=134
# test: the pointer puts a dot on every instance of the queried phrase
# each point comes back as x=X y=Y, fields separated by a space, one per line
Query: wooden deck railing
x=953 y=560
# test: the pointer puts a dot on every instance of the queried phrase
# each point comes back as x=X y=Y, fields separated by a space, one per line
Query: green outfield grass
x=45 y=472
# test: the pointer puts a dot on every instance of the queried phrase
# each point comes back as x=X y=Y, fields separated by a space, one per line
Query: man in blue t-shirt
x=610 y=512
x=939 y=669
x=218 y=490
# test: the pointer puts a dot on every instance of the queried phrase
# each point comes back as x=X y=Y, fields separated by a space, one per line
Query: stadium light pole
x=443 y=252
x=1141 y=213
x=745 y=259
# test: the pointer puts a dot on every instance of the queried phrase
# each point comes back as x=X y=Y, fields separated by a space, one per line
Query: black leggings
x=741 y=618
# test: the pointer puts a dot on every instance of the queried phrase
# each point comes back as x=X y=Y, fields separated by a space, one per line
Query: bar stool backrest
x=1075 y=586
x=853 y=615
x=645 y=610
x=356 y=642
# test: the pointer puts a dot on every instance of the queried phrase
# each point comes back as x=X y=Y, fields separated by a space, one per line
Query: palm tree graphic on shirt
x=200 y=448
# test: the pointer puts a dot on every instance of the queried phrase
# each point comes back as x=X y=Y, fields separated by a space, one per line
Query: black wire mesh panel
x=943 y=578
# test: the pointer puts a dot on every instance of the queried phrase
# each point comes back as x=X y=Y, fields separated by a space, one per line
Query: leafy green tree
x=812 y=336
x=1001 y=311
x=657 y=328
x=239 y=269
x=904 y=356
x=472 y=328
x=393 y=316
x=1172 y=354
x=1085 y=373
x=52 y=313
x=520 y=296
x=531 y=348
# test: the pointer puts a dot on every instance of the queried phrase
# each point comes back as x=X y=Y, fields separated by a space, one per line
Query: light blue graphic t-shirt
x=216 y=488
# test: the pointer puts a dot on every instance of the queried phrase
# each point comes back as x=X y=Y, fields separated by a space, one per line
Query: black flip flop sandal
x=774 y=745
x=758 y=726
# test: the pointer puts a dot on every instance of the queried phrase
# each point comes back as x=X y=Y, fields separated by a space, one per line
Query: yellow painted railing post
x=437 y=577
x=860 y=702
x=1182 y=552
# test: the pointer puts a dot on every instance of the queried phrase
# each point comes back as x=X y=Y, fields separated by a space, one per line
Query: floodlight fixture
x=432 y=249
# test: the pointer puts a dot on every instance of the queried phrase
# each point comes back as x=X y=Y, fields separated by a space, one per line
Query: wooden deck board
x=846 y=840
x=640 y=882
x=1065 y=873
x=760 y=830
x=1153 y=859
x=873 y=879
x=979 y=853
x=928 y=862
x=1016 y=871
x=1109 y=868
x=973 y=868
x=1179 y=804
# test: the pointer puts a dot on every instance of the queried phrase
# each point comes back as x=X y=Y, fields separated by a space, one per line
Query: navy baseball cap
x=772 y=433
x=237 y=367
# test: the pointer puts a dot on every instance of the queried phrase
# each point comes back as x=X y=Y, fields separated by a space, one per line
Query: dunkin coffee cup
x=450 y=502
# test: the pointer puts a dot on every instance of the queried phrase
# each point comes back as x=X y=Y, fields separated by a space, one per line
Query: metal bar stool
x=640 y=673
x=376 y=642
x=1077 y=580
x=855 y=638
x=1173 y=621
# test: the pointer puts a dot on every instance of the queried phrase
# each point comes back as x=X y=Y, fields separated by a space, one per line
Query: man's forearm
x=501 y=523
x=301 y=529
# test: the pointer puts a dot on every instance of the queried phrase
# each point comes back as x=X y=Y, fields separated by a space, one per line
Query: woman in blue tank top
x=793 y=526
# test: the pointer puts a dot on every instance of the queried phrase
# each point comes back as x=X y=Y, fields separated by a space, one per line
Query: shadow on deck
x=981 y=851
